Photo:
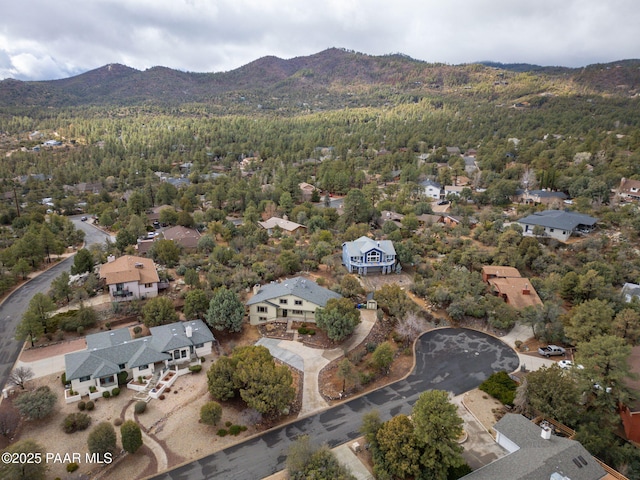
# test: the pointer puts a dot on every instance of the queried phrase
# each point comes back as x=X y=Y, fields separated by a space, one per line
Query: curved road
x=455 y=360
x=15 y=304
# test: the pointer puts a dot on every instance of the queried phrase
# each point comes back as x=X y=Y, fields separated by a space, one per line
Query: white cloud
x=199 y=35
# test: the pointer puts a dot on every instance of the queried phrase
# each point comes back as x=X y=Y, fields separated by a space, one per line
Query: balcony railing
x=122 y=293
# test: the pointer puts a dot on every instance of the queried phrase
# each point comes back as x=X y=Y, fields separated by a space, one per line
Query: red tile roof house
x=509 y=285
x=130 y=277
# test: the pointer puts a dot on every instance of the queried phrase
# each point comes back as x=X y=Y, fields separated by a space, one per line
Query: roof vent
x=138 y=265
x=545 y=431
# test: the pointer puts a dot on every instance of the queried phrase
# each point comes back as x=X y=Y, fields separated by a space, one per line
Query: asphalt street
x=455 y=360
x=13 y=307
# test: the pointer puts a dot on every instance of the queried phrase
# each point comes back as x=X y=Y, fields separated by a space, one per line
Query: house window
x=551 y=230
x=143 y=367
x=148 y=285
x=296 y=312
x=200 y=345
x=298 y=302
x=176 y=354
x=121 y=366
x=119 y=286
x=262 y=309
x=184 y=354
x=283 y=301
x=262 y=319
x=85 y=379
x=373 y=256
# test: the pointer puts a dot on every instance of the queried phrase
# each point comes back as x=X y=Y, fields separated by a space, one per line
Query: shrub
x=501 y=387
x=63 y=379
x=76 y=422
x=72 y=467
x=367 y=377
x=137 y=329
x=140 y=407
x=235 y=430
x=122 y=378
x=195 y=368
x=81 y=406
x=106 y=394
x=210 y=413
x=228 y=423
x=161 y=397
x=90 y=405
x=92 y=389
x=115 y=392
x=371 y=347
x=222 y=432
x=131 y=436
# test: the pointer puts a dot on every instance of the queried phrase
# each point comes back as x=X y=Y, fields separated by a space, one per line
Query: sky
x=45 y=39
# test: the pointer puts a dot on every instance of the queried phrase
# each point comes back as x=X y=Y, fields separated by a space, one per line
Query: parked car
x=550 y=350
x=83 y=219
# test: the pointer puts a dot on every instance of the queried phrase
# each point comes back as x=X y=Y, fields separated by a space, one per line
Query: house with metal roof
x=95 y=370
x=284 y=224
x=535 y=452
x=364 y=256
x=558 y=224
x=130 y=277
x=296 y=298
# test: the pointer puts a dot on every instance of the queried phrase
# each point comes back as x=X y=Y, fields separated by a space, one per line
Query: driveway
x=455 y=360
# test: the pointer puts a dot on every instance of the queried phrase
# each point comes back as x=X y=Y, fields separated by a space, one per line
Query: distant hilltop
x=339 y=75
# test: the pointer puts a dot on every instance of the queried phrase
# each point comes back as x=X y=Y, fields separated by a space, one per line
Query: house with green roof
x=295 y=298
x=95 y=370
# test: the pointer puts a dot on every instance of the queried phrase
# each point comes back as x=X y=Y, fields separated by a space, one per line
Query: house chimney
x=188 y=330
x=256 y=288
x=545 y=430
x=525 y=290
x=111 y=258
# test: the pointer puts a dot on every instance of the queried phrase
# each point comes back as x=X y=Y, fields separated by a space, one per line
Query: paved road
x=454 y=360
x=13 y=307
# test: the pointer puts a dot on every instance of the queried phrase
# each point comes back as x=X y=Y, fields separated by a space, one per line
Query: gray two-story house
x=364 y=255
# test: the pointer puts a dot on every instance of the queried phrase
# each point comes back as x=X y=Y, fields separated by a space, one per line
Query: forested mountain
x=334 y=78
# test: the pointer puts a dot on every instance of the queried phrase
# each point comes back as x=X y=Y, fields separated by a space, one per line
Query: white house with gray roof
x=535 y=453
x=365 y=255
x=96 y=369
x=296 y=298
x=558 y=224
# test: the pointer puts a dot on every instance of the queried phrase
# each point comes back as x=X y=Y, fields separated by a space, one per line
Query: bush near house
x=501 y=387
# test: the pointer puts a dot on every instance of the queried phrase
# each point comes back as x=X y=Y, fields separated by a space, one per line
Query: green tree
x=252 y=373
x=35 y=320
x=37 y=404
x=589 y=319
x=289 y=262
x=168 y=216
x=24 y=470
x=166 y=252
x=304 y=461
x=626 y=324
x=21 y=268
x=192 y=278
x=551 y=392
x=60 y=287
x=196 y=304
x=399 y=448
x=437 y=428
x=226 y=311
x=102 y=439
x=357 y=208
x=82 y=262
x=393 y=300
x=382 y=357
x=338 y=318
x=131 y=436
x=350 y=286
x=159 y=311
x=125 y=238
x=211 y=413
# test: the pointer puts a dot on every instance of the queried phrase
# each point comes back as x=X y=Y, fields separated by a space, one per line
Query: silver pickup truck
x=551 y=350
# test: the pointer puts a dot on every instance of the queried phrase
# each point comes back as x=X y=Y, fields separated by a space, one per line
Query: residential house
x=130 y=277
x=427 y=219
x=95 y=370
x=629 y=189
x=558 y=224
x=283 y=224
x=508 y=284
x=388 y=216
x=296 y=298
x=364 y=256
x=453 y=190
x=432 y=189
x=454 y=220
x=535 y=452
x=143 y=246
x=544 y=197
x=470 y=165
x=630 y=291
x=187 y=238
x=153 y=215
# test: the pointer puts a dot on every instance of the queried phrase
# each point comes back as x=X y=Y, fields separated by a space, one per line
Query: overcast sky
x=46 y=39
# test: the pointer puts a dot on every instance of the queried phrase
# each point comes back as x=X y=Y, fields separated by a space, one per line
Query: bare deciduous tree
x=20 y=375
x=410 y=327
x=9 y=422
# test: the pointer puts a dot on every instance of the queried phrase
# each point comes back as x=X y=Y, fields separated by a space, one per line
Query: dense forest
x=368 y=129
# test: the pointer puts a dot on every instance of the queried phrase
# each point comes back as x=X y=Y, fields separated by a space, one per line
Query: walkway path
x=312 y=360
x=162 y=462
